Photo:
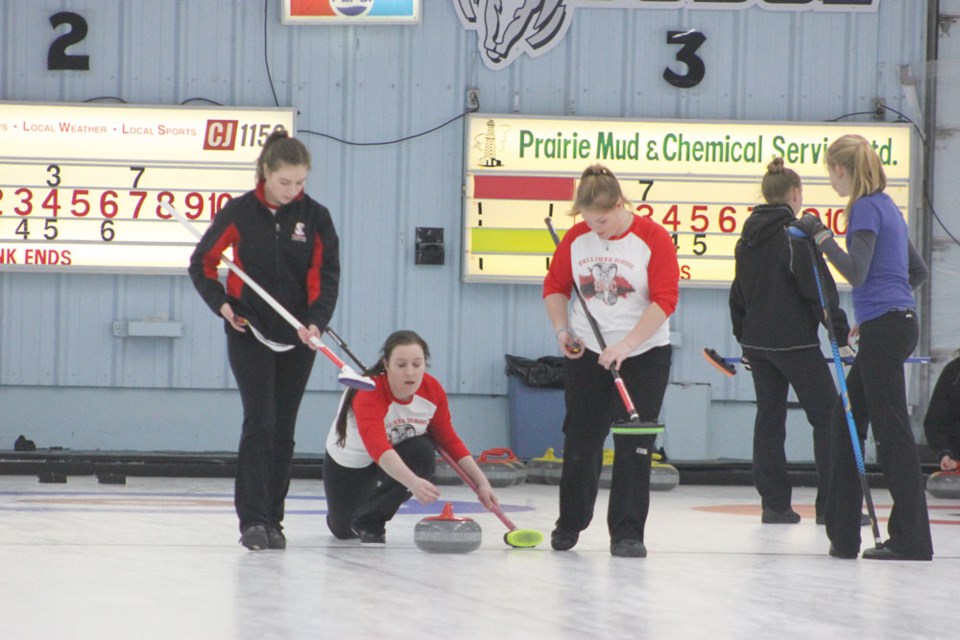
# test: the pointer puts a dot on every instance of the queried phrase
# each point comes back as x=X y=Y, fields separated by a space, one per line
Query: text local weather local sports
x=675 y=147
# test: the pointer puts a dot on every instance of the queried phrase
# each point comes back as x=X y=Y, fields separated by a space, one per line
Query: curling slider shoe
x=719 y=363
x=350 y=378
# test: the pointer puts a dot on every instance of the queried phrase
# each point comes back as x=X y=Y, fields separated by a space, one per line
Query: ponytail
x=855 y=154
x=778 y=181
x=347 y=403
x=598 y=190
x=279 y=148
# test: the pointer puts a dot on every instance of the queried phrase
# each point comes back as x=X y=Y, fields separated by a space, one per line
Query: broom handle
x=497 y=511
x=260 y=291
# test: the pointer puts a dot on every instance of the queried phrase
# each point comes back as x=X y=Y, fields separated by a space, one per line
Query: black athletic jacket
x=293 y=254
x=942 y=422
x=774 y=304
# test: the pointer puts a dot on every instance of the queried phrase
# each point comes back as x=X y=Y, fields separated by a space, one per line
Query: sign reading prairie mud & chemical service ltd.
x=700 y=180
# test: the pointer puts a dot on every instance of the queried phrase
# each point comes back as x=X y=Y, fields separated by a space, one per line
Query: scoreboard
x=699 y=180
x=81 y=185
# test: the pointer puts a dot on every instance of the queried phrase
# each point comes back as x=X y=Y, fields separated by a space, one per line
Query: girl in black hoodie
x=775 y=308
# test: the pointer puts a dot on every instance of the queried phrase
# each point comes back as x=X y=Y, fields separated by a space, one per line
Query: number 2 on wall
x=57 y=57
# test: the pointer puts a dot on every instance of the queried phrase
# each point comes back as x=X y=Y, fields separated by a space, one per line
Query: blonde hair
x=598 y=190
x=854 y=153
x=778 y=181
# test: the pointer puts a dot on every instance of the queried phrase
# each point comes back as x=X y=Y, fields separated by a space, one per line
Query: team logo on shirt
x=299 y=233
x=400 y=432
x=603 y=282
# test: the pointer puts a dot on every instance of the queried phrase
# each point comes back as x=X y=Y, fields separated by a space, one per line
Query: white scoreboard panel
x=699 y=180
x=81 y=184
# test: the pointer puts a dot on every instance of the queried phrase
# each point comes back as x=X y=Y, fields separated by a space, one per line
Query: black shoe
x=255 y=538
x=628 y=548
x=839 y=554
x=368 y=536
x=770 y=516
x=884 y=552
x=340 y=535
x=276 y=539
x=562 y=540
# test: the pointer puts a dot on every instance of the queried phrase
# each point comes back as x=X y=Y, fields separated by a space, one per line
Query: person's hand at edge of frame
x=424 y=491
x=239 y=323
x=571 y=345
x=813 y=227
x=306 y=335
x=614 y=355
x=948 y=463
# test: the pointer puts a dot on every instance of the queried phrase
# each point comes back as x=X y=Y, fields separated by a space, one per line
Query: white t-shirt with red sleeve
x=619 y=278
x=377 y=421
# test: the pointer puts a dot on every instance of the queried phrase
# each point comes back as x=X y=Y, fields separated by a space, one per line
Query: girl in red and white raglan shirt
x=626 y=269
x=380 y=449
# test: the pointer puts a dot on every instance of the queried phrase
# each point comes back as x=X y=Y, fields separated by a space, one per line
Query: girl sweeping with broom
x=380 y=449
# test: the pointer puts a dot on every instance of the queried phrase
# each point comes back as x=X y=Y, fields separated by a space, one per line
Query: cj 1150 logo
x=223 y=135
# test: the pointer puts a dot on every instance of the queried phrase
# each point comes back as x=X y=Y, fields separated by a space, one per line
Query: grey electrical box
x=429 y=246
x=147 y=329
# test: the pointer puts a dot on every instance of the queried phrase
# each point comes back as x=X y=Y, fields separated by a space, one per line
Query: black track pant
x=592 y=403
x=878 y=395
x=367 y=497
x=271 y=387
x=774 y=372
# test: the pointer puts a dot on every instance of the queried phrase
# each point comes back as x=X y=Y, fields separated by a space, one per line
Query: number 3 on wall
x=691 y=41
x=57 y=57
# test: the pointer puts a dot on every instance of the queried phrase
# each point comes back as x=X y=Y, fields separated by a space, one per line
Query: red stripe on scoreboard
x=523 y=188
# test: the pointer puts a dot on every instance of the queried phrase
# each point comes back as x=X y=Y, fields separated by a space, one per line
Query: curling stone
x=111 y=478
x=443 y=474
x=606 y=471
x=944 y=484
x=499 y=471
x=509 y=456
x=546 y=469
x=447 y=533
x=663 y=476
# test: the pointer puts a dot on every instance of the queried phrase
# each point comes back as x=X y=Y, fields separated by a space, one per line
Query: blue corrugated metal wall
x=376 y=84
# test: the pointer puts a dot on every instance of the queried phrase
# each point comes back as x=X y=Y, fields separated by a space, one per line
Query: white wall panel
x=376 y=84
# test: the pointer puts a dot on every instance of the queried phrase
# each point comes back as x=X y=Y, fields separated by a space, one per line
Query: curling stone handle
x=497 y=455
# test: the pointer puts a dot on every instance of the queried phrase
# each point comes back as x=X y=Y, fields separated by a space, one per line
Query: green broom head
x=523 y=538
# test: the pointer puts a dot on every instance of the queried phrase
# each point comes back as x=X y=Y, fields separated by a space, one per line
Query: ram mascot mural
x=509 y=28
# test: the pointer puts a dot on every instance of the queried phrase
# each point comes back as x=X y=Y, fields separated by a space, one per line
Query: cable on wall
x=923 y=139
